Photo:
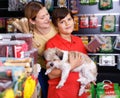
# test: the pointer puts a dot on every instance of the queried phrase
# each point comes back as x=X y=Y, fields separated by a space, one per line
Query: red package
x=84 y=22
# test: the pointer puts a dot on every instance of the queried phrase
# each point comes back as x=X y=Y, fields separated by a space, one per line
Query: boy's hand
x=75 y=59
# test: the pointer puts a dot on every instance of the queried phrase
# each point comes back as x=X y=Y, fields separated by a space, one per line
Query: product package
x=76 y=23
x=18 y=36
x=93 y=22
x=107 y=60
x=108 y=23
x=74 y=7
x=13 y=48
x=61 y=3
x=96 y=42
x=105 y=4
x=49 y=4
x=84 y=21
x=107 y=89
x=117 y=43
x=108 y=46
x=88 y=2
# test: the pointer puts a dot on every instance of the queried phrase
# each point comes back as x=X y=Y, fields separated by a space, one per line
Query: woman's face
x=42 y=19
x=66 y=25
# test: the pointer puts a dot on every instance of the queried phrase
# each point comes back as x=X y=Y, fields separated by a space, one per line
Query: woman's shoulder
x=54 y=38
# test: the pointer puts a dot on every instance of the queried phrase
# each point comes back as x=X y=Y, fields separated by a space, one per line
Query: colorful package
x=49 y=4
x=84 y=22
x=108 y=46
x=107 y=60
x=107 y=89
x=105 y=4
x=93 y=22
x=76 y=23
x=74 y=7
x=96 y=42
x=108 y=23
x=61 y=3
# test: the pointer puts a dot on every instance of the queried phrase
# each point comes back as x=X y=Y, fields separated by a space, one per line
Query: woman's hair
x=32 y=8
x=60 y=13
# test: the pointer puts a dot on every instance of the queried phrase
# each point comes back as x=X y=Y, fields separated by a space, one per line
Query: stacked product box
x=17 y=45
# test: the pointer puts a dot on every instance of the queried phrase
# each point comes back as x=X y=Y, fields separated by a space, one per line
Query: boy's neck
x=66 y=37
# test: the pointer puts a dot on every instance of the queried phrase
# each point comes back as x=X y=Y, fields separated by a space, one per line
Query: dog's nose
x=51 y=64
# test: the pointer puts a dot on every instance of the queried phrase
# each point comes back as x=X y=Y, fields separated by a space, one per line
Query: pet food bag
x=84 y=2
x=93 y=23
x=108 y=23
x=74 y=6
x=49 y=4
x=108 y=46
x=92 y=2
x=107 y=89
x=107 y=60
x=76 y=23
x=105 y=4
x=84 y=21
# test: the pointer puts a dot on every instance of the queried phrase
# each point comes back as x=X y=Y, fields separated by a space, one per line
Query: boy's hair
x=60 y=13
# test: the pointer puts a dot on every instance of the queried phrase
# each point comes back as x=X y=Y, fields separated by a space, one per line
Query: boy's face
x=66 y=25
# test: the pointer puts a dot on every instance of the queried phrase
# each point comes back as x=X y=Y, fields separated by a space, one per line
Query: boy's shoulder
x=76 y=37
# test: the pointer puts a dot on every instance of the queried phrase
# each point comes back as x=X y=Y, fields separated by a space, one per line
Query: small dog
x=59 y=59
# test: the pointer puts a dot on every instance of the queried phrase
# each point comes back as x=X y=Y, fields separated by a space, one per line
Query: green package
x=108 y=46
x=107 y=90
x=91 y=2
x=105 y=4
x=108 y=23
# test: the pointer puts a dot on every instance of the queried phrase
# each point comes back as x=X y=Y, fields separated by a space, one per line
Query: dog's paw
x=80 y=93
x=82 y=90
x=59 y=86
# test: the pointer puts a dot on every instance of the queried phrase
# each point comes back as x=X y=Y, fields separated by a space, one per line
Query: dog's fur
x=59 y=59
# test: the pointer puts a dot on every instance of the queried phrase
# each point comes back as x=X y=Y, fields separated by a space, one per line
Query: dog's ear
x=59 y=53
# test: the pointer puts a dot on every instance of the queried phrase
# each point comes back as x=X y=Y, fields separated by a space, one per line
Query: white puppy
x=59 y=59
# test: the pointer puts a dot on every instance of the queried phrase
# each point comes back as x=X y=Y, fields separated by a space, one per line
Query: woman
x=42 y=29
x=40 y=25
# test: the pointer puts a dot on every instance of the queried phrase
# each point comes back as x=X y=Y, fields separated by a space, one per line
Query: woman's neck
x=42 y=31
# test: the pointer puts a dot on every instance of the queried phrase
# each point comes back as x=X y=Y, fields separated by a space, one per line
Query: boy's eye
x=61 y=22
x=69 y=18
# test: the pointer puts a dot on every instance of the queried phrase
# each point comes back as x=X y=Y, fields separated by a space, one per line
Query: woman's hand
x=75 y=59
